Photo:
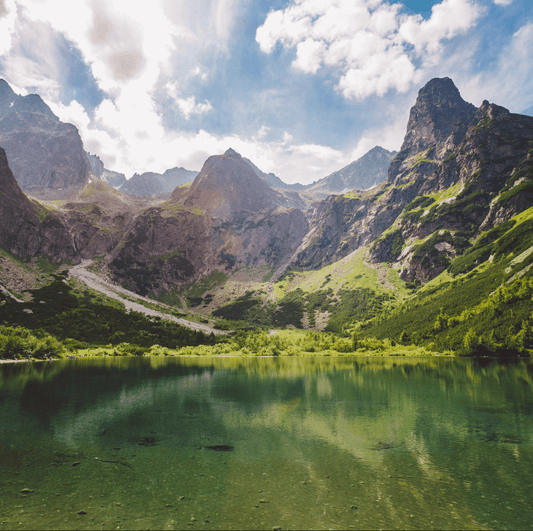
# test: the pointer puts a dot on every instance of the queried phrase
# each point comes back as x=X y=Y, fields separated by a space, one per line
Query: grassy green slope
x=325 y=299
x=481 y=305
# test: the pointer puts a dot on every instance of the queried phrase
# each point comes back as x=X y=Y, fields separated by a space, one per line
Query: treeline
x=21 y=343
x=299 y=343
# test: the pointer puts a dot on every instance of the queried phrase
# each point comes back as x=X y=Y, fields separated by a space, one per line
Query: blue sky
x=300 y=87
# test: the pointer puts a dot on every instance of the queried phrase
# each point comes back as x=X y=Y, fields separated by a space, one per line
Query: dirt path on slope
x=118 y=293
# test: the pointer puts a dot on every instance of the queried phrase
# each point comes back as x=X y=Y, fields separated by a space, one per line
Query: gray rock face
x=227 y=184
x=113 y=178
x=97 y=166
x=227 y=219
x=45 y=154
x=362 y=174
x=439 y=116
x=151 y=183
x=143 y=185
x=28 y=229
x=485 y=154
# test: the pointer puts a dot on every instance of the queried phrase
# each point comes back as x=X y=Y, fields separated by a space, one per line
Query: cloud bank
x=169 y=83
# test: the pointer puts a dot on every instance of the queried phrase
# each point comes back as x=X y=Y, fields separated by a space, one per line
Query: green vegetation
x=341 y=307
x=485 y=312
x=18 y=343
x=197 y=295
x=428 y=254
x=419 y=202
x=62 y=318
x=300 y=343
x=421 y=158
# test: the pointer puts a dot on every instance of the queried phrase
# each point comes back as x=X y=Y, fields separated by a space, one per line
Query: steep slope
x=28 y=229
x=459 y=171
x=45 y=154
x=228 y=218
x=227 y=184
x=98 y=217
x=114 y=178
x=362 y=174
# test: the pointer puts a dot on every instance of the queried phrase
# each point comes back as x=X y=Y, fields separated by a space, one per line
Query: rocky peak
x=45 y=154
x=97 y=166
x=492 y=110
x=439 y=115
x=439 y=111
x=7 y=96
x=365 y=172
x=227 y=184
x=32 y=103
x=230 y=151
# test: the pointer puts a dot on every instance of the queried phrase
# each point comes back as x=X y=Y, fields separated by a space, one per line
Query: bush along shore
x=18 y=343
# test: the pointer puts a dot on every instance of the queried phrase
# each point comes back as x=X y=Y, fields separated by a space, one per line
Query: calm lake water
x=294 y=443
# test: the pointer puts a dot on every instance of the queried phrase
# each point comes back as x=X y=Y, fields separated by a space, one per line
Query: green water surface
x=266 y=443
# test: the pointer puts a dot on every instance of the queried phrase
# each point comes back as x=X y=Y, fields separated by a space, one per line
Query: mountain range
x=232 y=241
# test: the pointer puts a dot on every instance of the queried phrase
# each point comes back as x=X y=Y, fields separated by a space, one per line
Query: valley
x=427 y=250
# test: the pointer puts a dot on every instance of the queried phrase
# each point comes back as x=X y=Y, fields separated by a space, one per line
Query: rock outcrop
x=460 y=170
x=46 y=155
x=27 y=228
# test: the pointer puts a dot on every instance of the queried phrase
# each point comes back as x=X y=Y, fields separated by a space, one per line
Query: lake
x=266 y=443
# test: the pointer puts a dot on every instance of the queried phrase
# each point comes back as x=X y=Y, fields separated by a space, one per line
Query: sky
x=300 y=87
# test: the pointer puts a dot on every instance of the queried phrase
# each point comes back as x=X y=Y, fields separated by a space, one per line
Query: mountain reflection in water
x=310 y=442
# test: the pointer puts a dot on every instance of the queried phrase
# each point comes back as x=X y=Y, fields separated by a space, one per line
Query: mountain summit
x=365 y=172
x=439 y=116
x=46 y=155
x=227 y=184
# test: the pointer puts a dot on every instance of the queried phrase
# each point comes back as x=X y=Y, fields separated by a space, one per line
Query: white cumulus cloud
x=8 y=18
x=371 y=45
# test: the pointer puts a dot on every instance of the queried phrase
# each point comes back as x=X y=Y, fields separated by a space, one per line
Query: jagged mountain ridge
x=460 y=171
x=364 y=173
x=114 y=178
x=471 y=167
x=45 y=155
x=152 y=183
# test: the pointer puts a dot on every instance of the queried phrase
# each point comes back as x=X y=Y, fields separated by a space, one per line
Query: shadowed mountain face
x=460 y=171
x=227 y=219
x=439 y=116
x=46 y=155
x=27 y=228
